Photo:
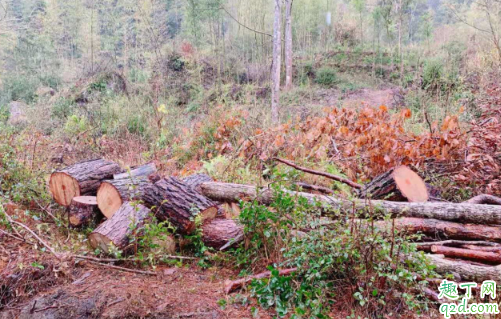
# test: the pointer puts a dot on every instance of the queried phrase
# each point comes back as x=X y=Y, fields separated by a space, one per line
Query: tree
x=277 y=57
x=288 y=44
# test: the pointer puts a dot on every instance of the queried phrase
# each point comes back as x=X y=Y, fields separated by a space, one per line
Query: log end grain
x=108 y=199
x=63 y=188
x=410 y=184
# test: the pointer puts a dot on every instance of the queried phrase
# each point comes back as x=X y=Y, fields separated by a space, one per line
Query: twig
x=110 y=260
x=311 y=171
x=12 y=236
x=38 y=238
x=125 y=269
x=306 y=186
x=243 y=25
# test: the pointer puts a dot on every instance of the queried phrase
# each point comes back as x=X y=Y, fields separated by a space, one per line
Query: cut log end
x=63 y=188
x=410 y=184
x=109 y=199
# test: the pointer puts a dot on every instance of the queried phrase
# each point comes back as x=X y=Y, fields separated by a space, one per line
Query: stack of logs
x=462 y=238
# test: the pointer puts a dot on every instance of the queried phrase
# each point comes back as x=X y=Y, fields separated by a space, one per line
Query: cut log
x=480 y=256
x=196 y=180
x=143 y=170
x=426 y=246
x=218 y=233
x=83 y=211
x=232 y=285
x=467 y=271
x=117 y=231
x=484 y=199
x=483 y=248
x=398 y=184
x=113 y=193
x=80 y=179
x=444 y=229
x=178 y=203
x=464 y=213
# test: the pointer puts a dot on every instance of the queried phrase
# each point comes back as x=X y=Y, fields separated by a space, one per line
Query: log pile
x=457 y=234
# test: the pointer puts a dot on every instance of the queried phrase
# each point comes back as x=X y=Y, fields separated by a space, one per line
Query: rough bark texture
x=484 y=199
x=125 y=223
x=178 y=203
x=398 y=184
x=444 y=229
x=426 y=246
x=277 y=57
x=80 y=179
x=83 y=211
x=230 y=286
x=219 y=232
x=481 y=256
x=465 y=213
x=468 y=272
x=288 y=44
x=315 y=188
x=196 y=180
x=143 y=170
x=113 y=193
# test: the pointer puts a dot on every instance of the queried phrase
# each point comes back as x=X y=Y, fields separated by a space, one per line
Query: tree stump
x=113 y=193
x=196 y=180
x=219 y=232
x=178 y=203
x=143 y=170
x=80 y=179
x=117 y=231
x=399 y=184
x=83 y=211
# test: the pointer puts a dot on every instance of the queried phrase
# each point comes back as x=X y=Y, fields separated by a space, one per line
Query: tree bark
x=196 y=180
x=117 y=231
x=143 y=170
x=277 y=57
x=230 y=286
x=113 y=193
x=83 y=211
x=80 y=179
x=178 y=203
x=484 y=199
x=468 y=272
x=464 y=213
x=288 y=44
x=480 y=256
x=219 y=232
x=444 y=229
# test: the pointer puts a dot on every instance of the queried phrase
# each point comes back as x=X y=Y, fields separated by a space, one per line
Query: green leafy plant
x=326 y=76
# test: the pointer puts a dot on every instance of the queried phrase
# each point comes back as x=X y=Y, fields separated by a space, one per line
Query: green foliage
x=326 y=76
x=152 y=239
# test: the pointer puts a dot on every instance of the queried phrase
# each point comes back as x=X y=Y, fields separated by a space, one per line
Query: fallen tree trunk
x=483 y=248
x=178 y=203
x=484 y=199
x=117 y=231
x=83 y=210
x=398 y=184
x=480 y=256
x=80 y=179
x=232 y=285
x=113 y=193
x=143 y=170
x=196 y=180
x=465 y=213
x=444 y=229
x=426 y=246
x=468 y=272
x=218 y=233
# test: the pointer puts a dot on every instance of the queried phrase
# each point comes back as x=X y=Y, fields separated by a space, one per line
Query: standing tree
x=277 y=57
x=288 y=44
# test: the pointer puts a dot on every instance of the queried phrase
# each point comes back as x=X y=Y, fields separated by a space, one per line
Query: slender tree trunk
x=288 y=44
x=277 y=57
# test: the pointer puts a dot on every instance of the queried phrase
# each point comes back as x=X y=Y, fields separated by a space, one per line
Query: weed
x=326 y=76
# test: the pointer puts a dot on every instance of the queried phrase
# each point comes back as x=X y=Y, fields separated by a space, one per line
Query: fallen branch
x=314 y=172
x=484 y=199
x=481 y=256
x=110 y=260
x=426 y=246
x=230 y=286
x=463 y=212
x=315 y=188
x=124 y=269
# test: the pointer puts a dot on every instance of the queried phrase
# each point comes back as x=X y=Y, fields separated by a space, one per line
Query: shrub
x=326 y=76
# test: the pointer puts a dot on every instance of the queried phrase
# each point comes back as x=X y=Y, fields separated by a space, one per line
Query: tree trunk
x=480 y=256
x=83 y=211
x=113 y=193
x=196 y=180
x=288 y=44
x=219 y=232
x=80 y=179
x=444 y=229
x=398 y=184
x=143 y=170
x=484 y=199
x=126 y=223
x=468 y=272
x=464 y=213
x=277 y=57
x=178 y=203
